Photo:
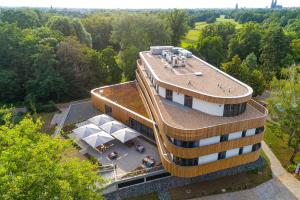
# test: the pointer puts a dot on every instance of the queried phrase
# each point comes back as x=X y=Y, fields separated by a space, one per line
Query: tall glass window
x=169 y=95
x=141 y=128
x=188 y=101
x=231 y=110
x=108 y=110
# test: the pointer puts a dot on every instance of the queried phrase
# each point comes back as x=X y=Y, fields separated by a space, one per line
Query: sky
x=136 y=4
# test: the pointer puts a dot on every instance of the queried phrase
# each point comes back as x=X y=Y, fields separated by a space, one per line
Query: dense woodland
x=53 y=55
x=49 y=56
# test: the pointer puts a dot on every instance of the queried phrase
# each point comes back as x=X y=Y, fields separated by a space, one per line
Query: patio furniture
x=139 y=148
x=98 y=139
x=86 y=130
x=148 y=161
x=113 y=126
x=104 y=147
x=100 y=119
x=126 y=134
x=113 y=155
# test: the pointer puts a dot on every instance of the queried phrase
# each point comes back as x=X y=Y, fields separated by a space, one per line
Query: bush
x=291 y=168
x=50 y=107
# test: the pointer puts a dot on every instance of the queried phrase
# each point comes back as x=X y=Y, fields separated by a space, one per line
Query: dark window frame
x=188 y=101
x=108 y=110
x=222 y=155
x=244 y=133
x=224 y=138
x=169 y=94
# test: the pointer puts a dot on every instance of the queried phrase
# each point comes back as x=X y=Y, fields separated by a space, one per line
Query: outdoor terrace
x=128 y=161
x=125 y=95
x=182 y=117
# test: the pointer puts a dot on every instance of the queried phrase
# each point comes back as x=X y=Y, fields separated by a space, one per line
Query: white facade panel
x=235 y=135
x=208 y=158
x=207 y=107
x=162 y=92
x=178 y=98
x=210 y=140
x=232 y=152
x=250 y=132
x=247 y=149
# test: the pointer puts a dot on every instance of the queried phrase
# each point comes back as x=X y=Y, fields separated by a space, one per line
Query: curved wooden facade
x=162 y=128
x=165 y=147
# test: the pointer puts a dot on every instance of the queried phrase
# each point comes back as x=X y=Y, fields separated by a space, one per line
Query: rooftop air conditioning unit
x=157 y=50
x=198 y=73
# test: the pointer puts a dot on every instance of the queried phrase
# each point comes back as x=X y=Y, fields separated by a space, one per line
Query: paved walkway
x=283 y=186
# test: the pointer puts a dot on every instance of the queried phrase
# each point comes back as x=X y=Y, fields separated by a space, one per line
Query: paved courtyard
x=128 y=158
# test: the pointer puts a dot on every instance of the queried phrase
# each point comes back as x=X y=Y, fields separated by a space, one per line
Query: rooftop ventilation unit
x=198 y=73
x=157 y=50
x=186 y=53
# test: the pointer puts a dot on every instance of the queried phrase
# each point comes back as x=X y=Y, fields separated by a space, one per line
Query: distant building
x=236 y=6
x=274 y=5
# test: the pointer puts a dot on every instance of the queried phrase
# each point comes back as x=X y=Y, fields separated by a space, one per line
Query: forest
x=50 y=56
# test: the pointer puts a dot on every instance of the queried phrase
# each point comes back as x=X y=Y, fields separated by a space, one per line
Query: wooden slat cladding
x=118 y=112
x=210 y=149
x=198 y=170
x=190 y=153
x=212 y=99
x=205 y=132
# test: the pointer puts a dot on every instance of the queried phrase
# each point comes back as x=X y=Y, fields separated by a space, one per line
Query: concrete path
x=59 y=118
x=283 y=186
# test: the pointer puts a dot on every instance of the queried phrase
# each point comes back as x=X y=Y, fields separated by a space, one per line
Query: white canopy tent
x=126 y=134
x=113 y=126
x=100 y=119
x=98 y=139
x=86 y=130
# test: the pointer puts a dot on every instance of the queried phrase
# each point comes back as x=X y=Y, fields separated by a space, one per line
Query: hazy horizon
x=146 y=4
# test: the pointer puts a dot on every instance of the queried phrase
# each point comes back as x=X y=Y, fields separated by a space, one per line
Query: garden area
x=278 y=143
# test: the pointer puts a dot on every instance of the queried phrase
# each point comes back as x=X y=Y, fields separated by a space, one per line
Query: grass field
x=192 y=36
x=279 y=147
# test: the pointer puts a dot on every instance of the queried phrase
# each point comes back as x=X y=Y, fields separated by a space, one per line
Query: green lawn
x=223 y=20
x=193 y=35
x=279 y=147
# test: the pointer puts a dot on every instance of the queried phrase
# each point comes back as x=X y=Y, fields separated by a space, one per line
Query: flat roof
x=126 y=95
x=212 y=82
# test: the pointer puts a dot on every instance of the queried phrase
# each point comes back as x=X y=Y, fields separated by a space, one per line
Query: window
x=108 y=110
x=222 y=155
x=141 y=128
x=185 y=144
x=188 y=101
x=224 y=138
x=255 y=147
x=185 y=161
x=241 y=151
x=169 y=94
x=158 y=176
x=259 y=130
x=244 y=133
x=231 y=110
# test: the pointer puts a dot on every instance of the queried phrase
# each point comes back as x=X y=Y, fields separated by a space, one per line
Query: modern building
x=201 y=119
